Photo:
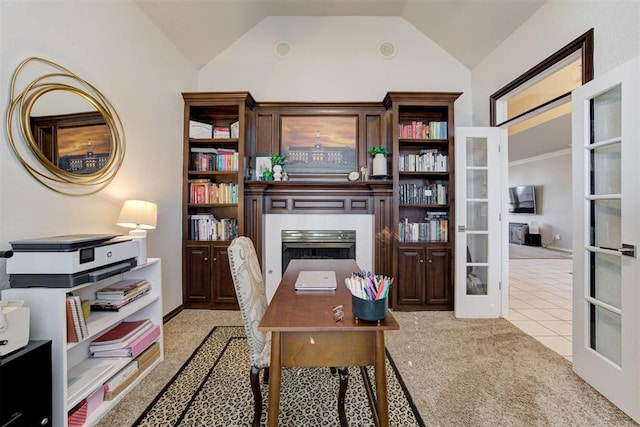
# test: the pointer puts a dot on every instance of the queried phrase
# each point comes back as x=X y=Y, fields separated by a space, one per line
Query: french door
x=481 y=247
x=606 y=270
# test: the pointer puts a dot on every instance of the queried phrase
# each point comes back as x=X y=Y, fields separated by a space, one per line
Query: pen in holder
x=369 y=295
x=369 y=310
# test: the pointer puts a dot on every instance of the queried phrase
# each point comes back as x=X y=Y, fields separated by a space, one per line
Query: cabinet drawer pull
x=206 y=259
x=215 y=259
x=421 y=261
x=430 y=261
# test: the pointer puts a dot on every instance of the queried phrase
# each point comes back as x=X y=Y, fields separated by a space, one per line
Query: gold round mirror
x=74 y=142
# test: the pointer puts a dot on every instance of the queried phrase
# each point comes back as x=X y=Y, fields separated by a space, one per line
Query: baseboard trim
x=173 y=313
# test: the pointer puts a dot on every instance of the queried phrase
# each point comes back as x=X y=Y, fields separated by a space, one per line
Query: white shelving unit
x=48 y=321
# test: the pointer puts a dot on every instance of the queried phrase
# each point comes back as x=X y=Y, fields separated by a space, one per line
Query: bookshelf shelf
x=48 y=321
x=212 y=205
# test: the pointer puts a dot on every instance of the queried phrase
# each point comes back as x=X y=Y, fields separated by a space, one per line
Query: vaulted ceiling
x=468 y=29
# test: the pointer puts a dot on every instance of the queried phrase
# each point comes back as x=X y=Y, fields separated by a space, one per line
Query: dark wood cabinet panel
x=224 y=294
x=411 y=276
x=439 y=285
x=197 y=271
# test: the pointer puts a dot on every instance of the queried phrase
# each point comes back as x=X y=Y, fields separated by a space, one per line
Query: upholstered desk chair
x=250 y=291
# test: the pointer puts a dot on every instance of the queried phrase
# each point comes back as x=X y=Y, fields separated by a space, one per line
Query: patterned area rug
x=212 y=389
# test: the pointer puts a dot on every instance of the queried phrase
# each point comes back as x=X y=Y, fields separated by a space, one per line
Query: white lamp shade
x=138 y=214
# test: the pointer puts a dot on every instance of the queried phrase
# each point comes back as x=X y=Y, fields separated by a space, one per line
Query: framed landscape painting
x=319 y=144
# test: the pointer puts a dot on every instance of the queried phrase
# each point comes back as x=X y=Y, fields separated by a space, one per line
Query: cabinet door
x=411 y=275
x=224 y=293
x=197 y=288
x=439 y=285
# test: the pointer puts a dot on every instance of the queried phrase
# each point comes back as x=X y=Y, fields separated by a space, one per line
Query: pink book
x=136 y=347
x=145 y=340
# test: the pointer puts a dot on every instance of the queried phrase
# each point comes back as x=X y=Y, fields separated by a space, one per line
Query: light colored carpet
x=536 y=252
x=460 y=372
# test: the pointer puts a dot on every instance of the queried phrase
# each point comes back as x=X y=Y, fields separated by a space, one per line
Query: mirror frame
x=32 y=158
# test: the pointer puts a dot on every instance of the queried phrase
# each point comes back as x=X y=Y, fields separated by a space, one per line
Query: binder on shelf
x=72 y=333
x=75 y=318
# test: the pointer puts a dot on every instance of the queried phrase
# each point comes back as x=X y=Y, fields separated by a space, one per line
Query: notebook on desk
x=316 y=281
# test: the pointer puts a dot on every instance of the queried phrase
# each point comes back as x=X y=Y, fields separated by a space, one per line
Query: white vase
x=379 y=165
x=277 y=173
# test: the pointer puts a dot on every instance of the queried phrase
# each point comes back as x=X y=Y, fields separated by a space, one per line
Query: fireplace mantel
x=305 y=197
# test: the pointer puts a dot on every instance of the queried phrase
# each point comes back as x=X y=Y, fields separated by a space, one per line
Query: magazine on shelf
x=113 y=305
x=121 y=289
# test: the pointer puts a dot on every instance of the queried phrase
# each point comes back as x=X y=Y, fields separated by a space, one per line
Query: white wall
x=555 y=24
x=336 y=59
x=115 y=47
x=551 y=174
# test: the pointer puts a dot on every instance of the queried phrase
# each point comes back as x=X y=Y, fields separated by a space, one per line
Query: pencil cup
x=369 y=310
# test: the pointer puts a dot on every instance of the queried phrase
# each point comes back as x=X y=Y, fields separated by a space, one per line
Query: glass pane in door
x=606 y=110
x=605 y=212
x=607 y=279
x=606 y=333
x=606 y=219
x=477 y=253
x=477 y=183
x=476 y=152
x=607 y=169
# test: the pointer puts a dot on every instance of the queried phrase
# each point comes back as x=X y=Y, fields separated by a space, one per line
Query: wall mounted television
x=522 y=199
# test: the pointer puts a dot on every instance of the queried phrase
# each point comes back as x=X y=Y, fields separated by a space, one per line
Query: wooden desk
x=304 y=333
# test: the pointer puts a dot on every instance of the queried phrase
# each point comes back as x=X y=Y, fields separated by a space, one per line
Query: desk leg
x=274 y=381
x=381 y=381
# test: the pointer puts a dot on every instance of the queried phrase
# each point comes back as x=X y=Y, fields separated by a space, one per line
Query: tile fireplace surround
x=274 y=224
x=365 y=207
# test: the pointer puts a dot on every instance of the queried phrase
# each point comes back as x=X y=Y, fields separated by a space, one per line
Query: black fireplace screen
x=317 y=244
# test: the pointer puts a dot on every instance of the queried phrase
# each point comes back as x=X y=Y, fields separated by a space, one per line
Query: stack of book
x=127 y=339
x=208 y=227
x=116 y=296
x=76 y=321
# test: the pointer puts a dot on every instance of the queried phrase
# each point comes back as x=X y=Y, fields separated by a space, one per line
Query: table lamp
x=141 y=216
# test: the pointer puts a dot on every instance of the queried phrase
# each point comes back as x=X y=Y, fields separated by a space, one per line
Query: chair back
x=250 y=291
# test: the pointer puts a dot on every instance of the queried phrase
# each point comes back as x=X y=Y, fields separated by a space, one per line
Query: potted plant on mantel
x=277 y=160
x=379 y=154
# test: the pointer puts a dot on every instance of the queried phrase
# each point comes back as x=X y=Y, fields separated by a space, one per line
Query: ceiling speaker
x=283 y=49
x=388 y=49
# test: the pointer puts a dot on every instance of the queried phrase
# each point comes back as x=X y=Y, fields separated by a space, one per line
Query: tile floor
x=540 y=301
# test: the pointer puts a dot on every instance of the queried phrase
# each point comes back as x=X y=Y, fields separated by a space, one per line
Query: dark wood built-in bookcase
x=213 y=188
x=423 y=213
x=413 y=207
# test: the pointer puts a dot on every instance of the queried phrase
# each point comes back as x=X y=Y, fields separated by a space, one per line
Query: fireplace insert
x=317 y=244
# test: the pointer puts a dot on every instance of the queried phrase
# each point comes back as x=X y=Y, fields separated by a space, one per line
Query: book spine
x=72 y=335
